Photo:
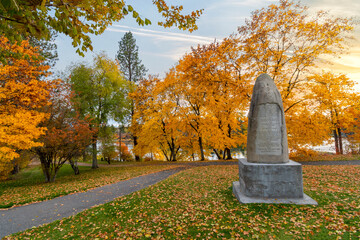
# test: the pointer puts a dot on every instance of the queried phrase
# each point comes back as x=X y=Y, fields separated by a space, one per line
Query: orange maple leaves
x=21 y=97
x=208 y=91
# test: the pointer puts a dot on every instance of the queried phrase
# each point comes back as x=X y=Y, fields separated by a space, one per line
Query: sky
x=160 y=48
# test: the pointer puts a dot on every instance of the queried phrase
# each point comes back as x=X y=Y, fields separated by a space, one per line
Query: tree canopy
x=287 y=42
x=200 y=106
x=22 y=96
x=128 y=57
x=79 y=18
x=100 y=93
x=67 y=135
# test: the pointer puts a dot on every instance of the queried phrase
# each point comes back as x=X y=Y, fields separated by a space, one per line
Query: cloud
x=174 y=54
x=343 y=8
x=237 y=3
x=162 y=35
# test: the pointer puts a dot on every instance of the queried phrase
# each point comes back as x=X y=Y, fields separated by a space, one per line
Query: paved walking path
x=21 y=218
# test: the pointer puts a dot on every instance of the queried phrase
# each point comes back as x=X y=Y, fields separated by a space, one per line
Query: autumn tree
x=353 y=130
x=287 y=42
x=334 y=98
x=66 y=136
x=213 y=83
x=22 y=95
x=131 y=66
x=157 y=119
x=100 y=92
x=124 y=152
x=197 y=108
x=213 y=99
x=78 y=19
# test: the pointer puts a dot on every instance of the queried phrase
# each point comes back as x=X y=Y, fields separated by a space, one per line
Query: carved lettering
x=268 y=136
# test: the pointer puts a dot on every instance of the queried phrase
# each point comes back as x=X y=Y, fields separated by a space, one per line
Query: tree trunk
x=137 y=157
x=202 y=157
x=94 y=154
x=227 y=150
x=217 y=154
x=340 y=141
x=74 y=166
x=166 y=156
x=53 y=177
x=228 y=154
x=173 y=156
x=336 y=142
x=120 y=144
x=16 y=168
x=84 y=155
x=45 y=166
x=50 y=173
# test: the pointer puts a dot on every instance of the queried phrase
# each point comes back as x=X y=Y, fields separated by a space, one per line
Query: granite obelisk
x=267 y=175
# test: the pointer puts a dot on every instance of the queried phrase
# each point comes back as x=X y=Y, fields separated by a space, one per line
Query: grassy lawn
x=29 y=186
x=327 y=157
x=198 y=204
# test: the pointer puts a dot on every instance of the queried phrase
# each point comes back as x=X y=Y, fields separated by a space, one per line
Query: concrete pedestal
x=270 y=183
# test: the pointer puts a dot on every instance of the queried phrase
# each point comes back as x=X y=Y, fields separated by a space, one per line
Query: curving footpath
x=24 y=217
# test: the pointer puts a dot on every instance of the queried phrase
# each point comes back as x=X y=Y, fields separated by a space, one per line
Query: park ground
x=196 y=203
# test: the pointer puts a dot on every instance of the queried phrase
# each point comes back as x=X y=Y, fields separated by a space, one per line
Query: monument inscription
x=268 y=135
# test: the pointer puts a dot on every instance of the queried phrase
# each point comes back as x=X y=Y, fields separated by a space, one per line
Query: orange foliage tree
x=336 y=100
x=288 y=43
x=67 y=135
x=155 y=119
x=124 y=152
x=198 y=107
x=210 y=87
x=21 y=97
x=214 y=100
x=353 y=130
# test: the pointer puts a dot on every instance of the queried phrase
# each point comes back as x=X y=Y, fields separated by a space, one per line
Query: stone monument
x=267 y=175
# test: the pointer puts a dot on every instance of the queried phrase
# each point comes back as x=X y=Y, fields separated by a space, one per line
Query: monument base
x=270 y=183
x=306 y=200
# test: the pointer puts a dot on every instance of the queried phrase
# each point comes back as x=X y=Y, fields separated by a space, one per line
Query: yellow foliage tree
x=197 y=109
x=156 y=119
x=21 y=97
x=335 y=100
x=214 y=101
x=287 y=42
x=211 y=86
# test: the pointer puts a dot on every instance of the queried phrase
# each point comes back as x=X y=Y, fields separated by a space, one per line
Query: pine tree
x=131 y=66
x=128 y=58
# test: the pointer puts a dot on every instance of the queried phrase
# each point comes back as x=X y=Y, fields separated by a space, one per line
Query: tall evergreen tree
x=131 y=66
x=128 y=57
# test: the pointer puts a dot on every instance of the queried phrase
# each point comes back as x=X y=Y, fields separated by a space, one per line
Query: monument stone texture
x=267 y=175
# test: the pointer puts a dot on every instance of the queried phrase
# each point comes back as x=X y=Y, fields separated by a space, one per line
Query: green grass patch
x=326 y=157
x=198 y=204
x=29 y=185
